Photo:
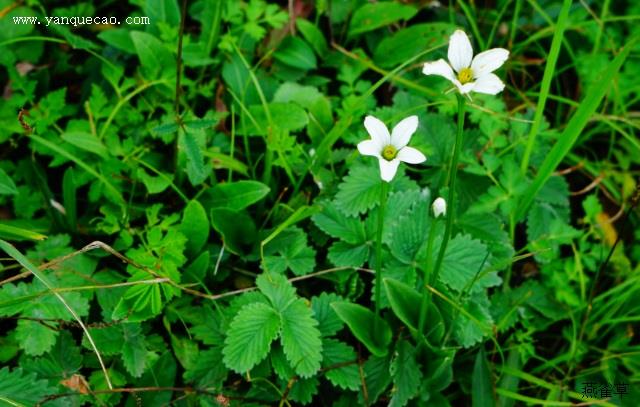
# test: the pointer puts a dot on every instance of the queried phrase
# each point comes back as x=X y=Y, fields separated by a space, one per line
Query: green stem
x=451 y=181
x=383 y=201
x=427 y=272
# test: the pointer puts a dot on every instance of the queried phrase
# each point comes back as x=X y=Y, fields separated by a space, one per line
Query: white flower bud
x=439 y=207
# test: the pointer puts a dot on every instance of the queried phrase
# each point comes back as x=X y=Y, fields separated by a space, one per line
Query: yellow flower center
x=389 y=152
x=465 y=75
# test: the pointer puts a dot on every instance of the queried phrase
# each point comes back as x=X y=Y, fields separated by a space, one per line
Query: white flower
x=439 y=207
x=473 y=74
x=392 y=148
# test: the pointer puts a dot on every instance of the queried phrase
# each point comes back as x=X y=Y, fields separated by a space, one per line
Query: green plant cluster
x=185 y=218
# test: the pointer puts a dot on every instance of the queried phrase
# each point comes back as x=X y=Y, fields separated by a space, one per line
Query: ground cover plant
x=248 y=203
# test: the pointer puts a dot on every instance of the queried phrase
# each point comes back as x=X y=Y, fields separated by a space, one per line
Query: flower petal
x=460 y=51
x=369 y=147
x=388 y=169
x=378 y=131
x=464 y=89
x=402 y=132
x=439 y=67
x=489 y=84
x=411 y=155
x=488 y=61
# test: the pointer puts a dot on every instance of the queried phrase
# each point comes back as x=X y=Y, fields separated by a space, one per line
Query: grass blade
x=20 y=258
x=574 y=128
x=549 y=71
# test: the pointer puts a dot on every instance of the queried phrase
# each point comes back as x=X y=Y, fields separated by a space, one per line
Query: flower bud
x=439 y=207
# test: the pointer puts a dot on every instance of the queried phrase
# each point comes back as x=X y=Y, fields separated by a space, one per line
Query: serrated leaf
x=359 y=192
x=329 y=323
x=343 y=254
x=277 y=288
x=134 y=349
x=334 y=223
x=196 y=170
x=34 y=338
x=18 y=387
x=108 y=339
x=289 y=250
x=300 y=338
x=335 y=353
x=463 y=262
x=370 y=329
x=249 y=337
x=377 y=378
x=304 y=389
x=207 y=371
x=195 y=226
x=406 y=374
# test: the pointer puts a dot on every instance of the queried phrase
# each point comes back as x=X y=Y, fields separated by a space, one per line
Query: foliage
x=211 y=159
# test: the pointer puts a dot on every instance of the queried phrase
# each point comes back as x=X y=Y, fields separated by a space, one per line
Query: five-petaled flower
x=473 y=74
x=392 y=148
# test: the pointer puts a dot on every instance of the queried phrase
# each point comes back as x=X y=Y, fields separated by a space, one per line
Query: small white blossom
x=392 y=148
x=473 y=74
x=439 y=207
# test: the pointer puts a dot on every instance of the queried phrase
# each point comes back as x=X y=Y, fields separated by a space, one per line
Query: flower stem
x=427 y=271
x=451 y=183
x=383 y=201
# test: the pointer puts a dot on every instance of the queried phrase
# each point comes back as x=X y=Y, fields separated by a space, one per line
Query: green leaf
x=196 y=170
x=402 y=45
x=375 y=15
x=61 y=362
x=34 y=338
x=26 y=389
x=377 y=378
x=329 y=323
x=166 y=11
x=370 y=329
x=289 y=250
x=7 y=187
x=195 y=226
x=69 y=200
x=156 y=60
x=14 y=233
x=154 y=184
x=108 y=339
x=343 y=254
x=313 y=35
x=161 y=373
x=87 y=142
x=237 y=229
x=405 y=303
x=463 y=263
x=134 y=349
x=296 y=53
x=277 y=289
x=250 y=335
x=300 y=338
x=334 y=223
x=334 y=353
x=406 y=373
x=360 y=190
x=235 y=195
x=481 y=382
